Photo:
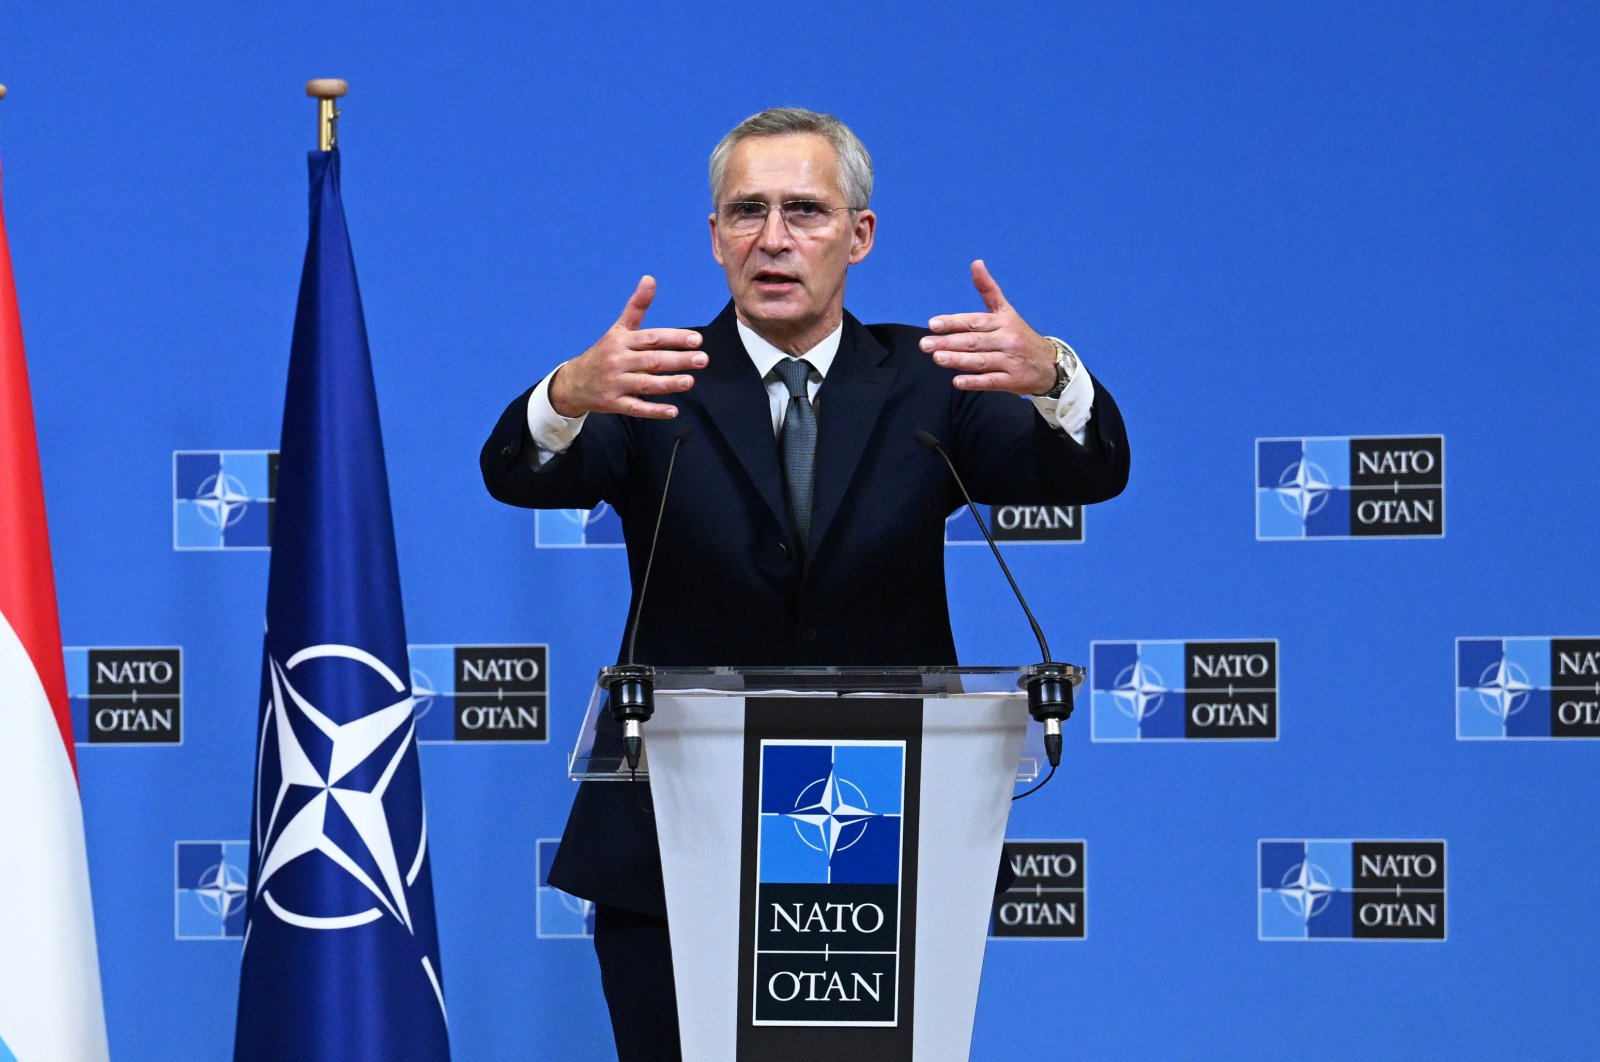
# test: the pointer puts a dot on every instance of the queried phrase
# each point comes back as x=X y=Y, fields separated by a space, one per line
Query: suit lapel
x=849 y=402
x=736 y=401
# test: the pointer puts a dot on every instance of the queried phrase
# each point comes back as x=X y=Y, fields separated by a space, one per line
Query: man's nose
x=775 y=235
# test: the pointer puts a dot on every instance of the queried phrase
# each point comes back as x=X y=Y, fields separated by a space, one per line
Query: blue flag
x=341 y=953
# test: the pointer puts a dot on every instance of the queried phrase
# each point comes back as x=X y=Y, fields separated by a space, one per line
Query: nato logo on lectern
x=829 y=851
x=209 y=885
x=575 y=528
x=1521 y=688
x=223 y=499
x=559 y=915
x=1178 y=690
x=480 y=693
x=1046 y=899
x=1350 y=890
x=1016 y=523
x=1350 y=486
x=125 y=695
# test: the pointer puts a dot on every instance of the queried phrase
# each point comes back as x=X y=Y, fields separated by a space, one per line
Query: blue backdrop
x=1254 y=221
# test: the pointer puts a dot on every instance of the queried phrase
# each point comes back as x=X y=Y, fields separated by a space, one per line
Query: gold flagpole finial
x=2 y=92
x=325 y=90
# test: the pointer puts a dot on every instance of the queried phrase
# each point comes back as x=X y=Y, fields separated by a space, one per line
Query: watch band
x=1066 y=367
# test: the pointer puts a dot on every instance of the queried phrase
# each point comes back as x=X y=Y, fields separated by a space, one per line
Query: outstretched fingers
x=988 y=288
x=633 y=310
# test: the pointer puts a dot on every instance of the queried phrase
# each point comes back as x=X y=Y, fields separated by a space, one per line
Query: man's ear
x=866 y=226
x=716 y=251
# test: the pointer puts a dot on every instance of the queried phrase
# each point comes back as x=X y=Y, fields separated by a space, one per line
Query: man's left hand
x=993 y=351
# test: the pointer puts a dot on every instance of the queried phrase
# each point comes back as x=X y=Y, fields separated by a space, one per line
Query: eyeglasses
x=745 y=217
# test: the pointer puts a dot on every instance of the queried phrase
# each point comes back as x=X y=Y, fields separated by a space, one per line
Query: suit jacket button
x=808 y=635
x=783 y=549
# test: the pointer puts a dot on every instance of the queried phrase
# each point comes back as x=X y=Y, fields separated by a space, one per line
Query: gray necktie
x=799 y=442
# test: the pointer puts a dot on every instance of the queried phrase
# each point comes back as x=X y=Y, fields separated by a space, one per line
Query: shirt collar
x=766 y=356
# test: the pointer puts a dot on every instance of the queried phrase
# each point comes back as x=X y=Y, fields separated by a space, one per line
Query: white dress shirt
x=553 y=433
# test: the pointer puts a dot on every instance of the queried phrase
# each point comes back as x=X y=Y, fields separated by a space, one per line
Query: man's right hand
x=612 y=375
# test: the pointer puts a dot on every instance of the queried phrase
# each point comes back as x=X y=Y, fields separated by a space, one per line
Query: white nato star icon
x=1303 y=488
x=222 y=500
x=1138 y=691
x=1305 y=889
x=361 y=802
x=422 y=692
x=829 y=814
x=1503 y=688
x=221 y=889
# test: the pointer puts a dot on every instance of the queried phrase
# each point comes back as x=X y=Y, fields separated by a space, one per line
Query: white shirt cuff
x=1072 y=410
x=552 y=433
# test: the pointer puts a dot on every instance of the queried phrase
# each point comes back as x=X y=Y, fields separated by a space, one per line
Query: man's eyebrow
x=780 y=197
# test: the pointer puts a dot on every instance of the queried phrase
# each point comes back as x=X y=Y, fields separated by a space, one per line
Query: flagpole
x=341 y=947
x=325 y=90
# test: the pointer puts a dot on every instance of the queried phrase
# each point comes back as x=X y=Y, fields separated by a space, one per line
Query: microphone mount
x=1049 y=686
x=1049 y=683
x=632 y=686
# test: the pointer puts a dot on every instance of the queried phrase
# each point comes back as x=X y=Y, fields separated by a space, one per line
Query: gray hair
x=855 y=165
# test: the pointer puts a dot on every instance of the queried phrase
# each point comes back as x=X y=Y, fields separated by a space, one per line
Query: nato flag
x=341 y=953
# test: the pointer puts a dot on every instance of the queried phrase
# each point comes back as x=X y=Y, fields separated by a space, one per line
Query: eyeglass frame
x=767 y=208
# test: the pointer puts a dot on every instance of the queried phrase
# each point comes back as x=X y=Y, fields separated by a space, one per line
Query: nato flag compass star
x=1306 y=889
x=330 y=795
x=222 y=500
x=827 y=817
x=1304 y=488
x=1504 y=688
x=1139 y=691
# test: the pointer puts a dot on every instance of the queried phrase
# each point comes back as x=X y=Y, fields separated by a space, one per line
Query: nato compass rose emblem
x=221 y=889
x=1503 y=689
x=1139 y=691
x=831 y=814
x=222 y=500
x=1303 y=488
x=423 y=693
x=590 y=518
x=332 y=781
x=1306 y=889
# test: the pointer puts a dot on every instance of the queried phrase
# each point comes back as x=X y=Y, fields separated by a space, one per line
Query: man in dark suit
x=805 y=524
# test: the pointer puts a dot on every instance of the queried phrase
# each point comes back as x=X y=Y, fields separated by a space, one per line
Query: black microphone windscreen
x=927 y=439
x=683 y=432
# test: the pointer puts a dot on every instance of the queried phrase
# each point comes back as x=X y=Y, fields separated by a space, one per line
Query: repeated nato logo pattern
x=1016 y=523
x=1510 y=688
x=125 y=695
x=1350 y=487
x=576 y=528
x=829 y=854
x=1047 y=897
x=481 y=693
x=209 y=887
x=601 y=526
x=1350 y=890
x=1176 y=690
x=223 y=499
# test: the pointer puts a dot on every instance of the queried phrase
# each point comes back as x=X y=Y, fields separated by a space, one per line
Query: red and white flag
x=50 y=1006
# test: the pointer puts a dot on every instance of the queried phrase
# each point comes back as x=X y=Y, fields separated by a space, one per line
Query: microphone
x=1048 y=684
x=631 y=686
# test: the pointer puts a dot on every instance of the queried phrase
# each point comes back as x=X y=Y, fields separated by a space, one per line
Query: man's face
x=788 y=285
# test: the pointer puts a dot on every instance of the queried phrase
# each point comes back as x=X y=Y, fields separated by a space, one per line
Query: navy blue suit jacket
x=730 y=586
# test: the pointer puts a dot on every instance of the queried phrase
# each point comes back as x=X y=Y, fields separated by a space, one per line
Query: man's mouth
x=768 y=280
